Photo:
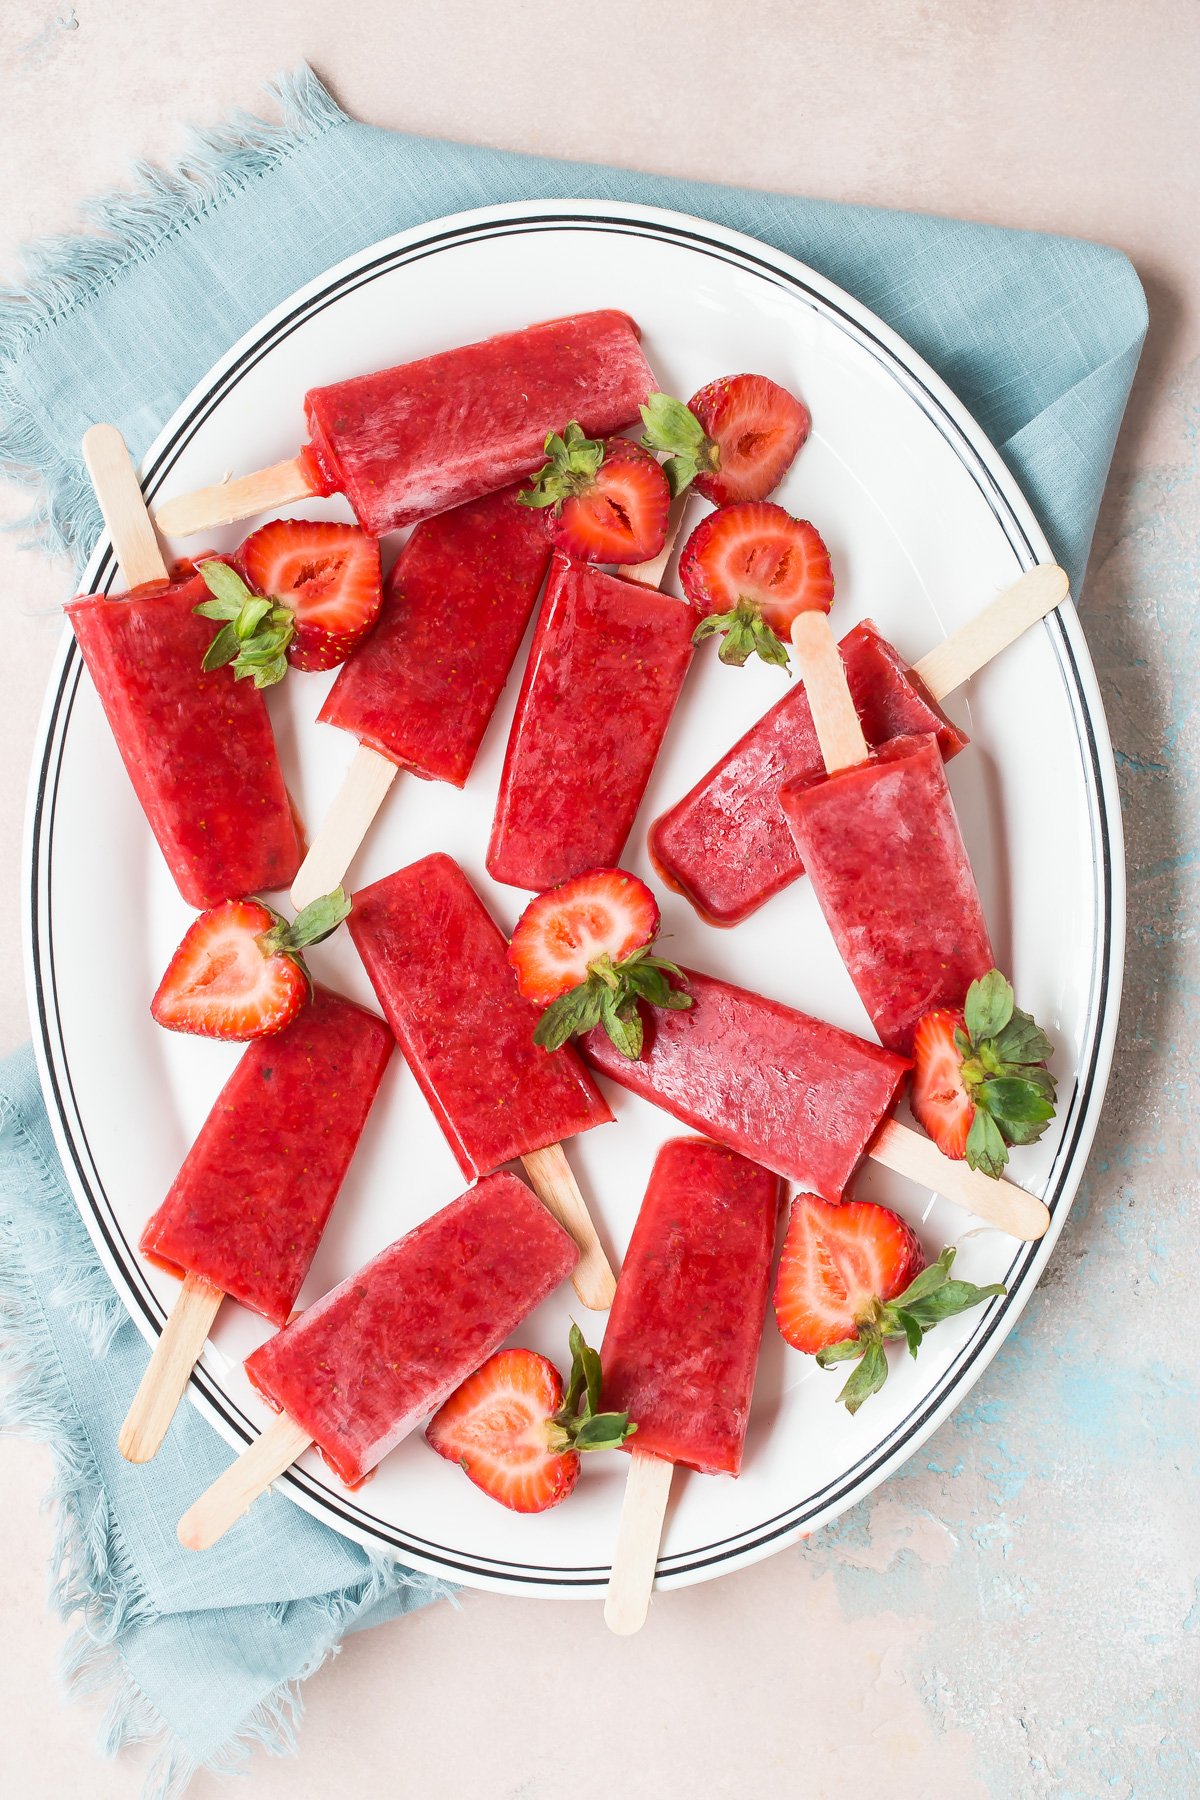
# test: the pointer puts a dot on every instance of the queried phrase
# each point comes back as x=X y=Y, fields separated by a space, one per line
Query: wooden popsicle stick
x=344 y=826
x=175 y=1356
x=235 y=1492
x=635 y=1555
x=221 y=504
x=553 y=1182
x=120 y=496
x=1002 y=1203
x=824 y=676
x=1000 y=624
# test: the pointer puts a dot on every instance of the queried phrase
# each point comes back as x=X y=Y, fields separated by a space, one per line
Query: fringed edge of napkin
x=62 y=272
x=92 y=1579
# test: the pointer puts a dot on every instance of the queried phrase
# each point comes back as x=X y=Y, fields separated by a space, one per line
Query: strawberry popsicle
x=799 y=1096
x=605 y=671
x=681 y=1345
x=885 y=855
x=726 y=845
x=197 y=747
x=420 y=438
x=247 y=1209
x=423 y=687
x=357 y=1371
x=439 y=965
x=365 y=1364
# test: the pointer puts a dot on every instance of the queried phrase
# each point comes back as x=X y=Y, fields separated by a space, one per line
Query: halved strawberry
x=516 y=1434
x=837 y=1260
x=610 y=498
x=854 y=1276
x=980 y=1081
x=328 y=574
x=938 y=1095
x=582 y=950
x=238 y=973
x=752 y=568
x=316 y=591
x=736 y=439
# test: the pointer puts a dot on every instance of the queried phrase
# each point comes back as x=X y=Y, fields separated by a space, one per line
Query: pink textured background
x=1015 y=1613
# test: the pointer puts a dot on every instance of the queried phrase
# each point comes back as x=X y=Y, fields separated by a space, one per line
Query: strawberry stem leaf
x=674 y=430
x=1004 y=1054
x=610 y=997
x=255 y=632
x=573 y=462
x=312 y=925
x=577 y=1425
x=746 y=634
x=928 y=1299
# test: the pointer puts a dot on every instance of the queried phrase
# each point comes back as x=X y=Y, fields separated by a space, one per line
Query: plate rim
x=1028 y=543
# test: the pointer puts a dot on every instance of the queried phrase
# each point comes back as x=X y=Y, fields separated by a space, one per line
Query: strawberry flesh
x=836 y=1260
x=568 y=928
x=938 y=1095
x=328 y=574
x=219 y=984
x=757 y=427
x=621 y=516
x=496 y=1427
x=756 y=554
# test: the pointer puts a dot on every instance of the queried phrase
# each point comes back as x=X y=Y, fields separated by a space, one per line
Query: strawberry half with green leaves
x=515 y=1433
x=736 y=439
x=315 y=591
x=609 y=498
x=854 y=1276
x=752 y=568
x=583 y=951
x=979 y=1079
x=239 y=973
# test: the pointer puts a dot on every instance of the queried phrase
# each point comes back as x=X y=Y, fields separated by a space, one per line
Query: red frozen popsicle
x=246 y=1211
x=422 y=688
x=726 y=845
x=420 y=692
x=359 y=1369
x=788 y=1091
x=439 y=965
x=796 y=1095
x=885 y=856
x=681 y=1346
x=424 y=436
x=605 y=671
x=197 y=747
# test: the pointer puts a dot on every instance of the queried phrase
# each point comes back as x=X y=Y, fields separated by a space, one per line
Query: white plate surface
x=925 y=525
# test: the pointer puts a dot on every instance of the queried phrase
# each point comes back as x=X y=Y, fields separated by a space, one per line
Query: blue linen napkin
x=1039 y=336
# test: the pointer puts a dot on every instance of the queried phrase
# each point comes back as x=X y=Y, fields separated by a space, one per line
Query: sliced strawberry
x=606 y=912
x=328 y=576
x=938 y=1094
x=582 y=951
x=836 y=1261
x=517 y=1435
x=238 y=973
x=981 y=1082
x=609 y=499
x=736 y=439
x=752 y=568
x=854 y=1276
x=495 y=1427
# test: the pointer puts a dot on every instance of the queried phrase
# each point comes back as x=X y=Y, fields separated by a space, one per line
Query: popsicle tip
x=135 y=1445
x=623 y=1616
x=190 y=1531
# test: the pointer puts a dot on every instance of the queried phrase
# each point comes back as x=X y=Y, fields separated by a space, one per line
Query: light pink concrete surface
x=798 y=1677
